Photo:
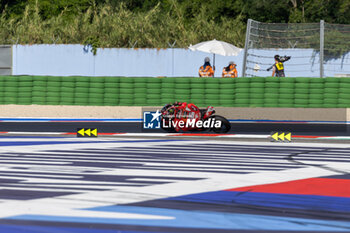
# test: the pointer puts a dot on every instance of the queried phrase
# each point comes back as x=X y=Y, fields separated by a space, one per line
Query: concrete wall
x=66 y=60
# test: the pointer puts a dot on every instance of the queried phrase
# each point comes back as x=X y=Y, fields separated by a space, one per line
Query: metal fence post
x=247 y=35
x=321 y=48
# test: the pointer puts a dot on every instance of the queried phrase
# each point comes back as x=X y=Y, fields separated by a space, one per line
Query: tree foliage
x=153 y=23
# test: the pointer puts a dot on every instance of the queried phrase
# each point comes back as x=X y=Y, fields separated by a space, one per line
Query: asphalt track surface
x=135 y=127
x=105 y=185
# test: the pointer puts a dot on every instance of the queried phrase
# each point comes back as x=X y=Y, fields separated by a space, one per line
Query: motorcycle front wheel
x=225 y=124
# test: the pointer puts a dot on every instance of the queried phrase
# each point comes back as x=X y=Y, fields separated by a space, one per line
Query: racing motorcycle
x=188 y=117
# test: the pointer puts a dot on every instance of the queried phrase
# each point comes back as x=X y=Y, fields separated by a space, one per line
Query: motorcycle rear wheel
x=225 y=124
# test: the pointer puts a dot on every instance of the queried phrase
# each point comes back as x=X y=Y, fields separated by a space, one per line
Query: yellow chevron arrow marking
x=94 y=132
x=81 y=132
x=281 y=136
x=275 y=136
x=288 y=136
x=88 y=132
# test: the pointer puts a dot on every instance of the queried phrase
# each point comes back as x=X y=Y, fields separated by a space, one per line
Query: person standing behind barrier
x=206 y=70
x=230 y=70
x=278 y=68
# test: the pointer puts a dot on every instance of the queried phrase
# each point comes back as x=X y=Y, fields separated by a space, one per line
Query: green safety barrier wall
x=126 y=91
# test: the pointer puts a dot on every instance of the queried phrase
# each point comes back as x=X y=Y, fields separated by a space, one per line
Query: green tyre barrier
x=257 y=85
x=343 y=90
x=301 y=101
x=198 y=85
x=168 y=85
x=227 y=86
x=53 y=84
x=256 y=95
x=153 y=102
x=182 y=86
x=287 y=80
x=181 y=91
x=78 y=89
x=212 y=91
x=272 y=85
x=226 y=102
x=316 y=91
x=227 y=81
x=183 y=80
x=153 y=96
x=301 y=105
x=285 y=101
x=112 y=80
x=229 y=91
x=302 y=80
x=82 y=84
x=242 y=101
x=268 y=105
x=287 y=85
x=316 y=96
x=330 y=95
x=25 y=84
x=97 y=79
x=285 y=105
x=167 y=95
x=96 y=96
x=331 y=80
x=331 y=90
x=331 y=85
x=140 y=90
x=24 y=94
x=302 y=86
x=316 y=101
x=212 y=96
x=97 y=85
x=344 y=95
x=344 y=101
x=140 y=85
x=65 y=89
x=343 y=105
x=242 y=85
x=126 y=91
x=96 y=90
x=113 y=95
x=53 y=94
x=68 y=84
x=227 y=97
x=154 y=85
x=39 y=84
x=301 y=91
x=329 y=105
x=272 y=95
x=197 y=91
x=344 y=80
x=257 y=90
x=301 y=96
x=156 y=91
x=52 y=103
x=140 y=95
x=114 y=85
x=286 y=96
x=316 y=86
x=112 y=90
x=242 y=95
x=242 y=80
x=68 y=94
x=126 y=85
x=52 y=99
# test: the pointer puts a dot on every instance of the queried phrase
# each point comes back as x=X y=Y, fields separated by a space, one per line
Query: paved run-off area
x=107 y=185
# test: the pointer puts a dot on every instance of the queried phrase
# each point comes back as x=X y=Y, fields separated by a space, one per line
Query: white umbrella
x=216 y=47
